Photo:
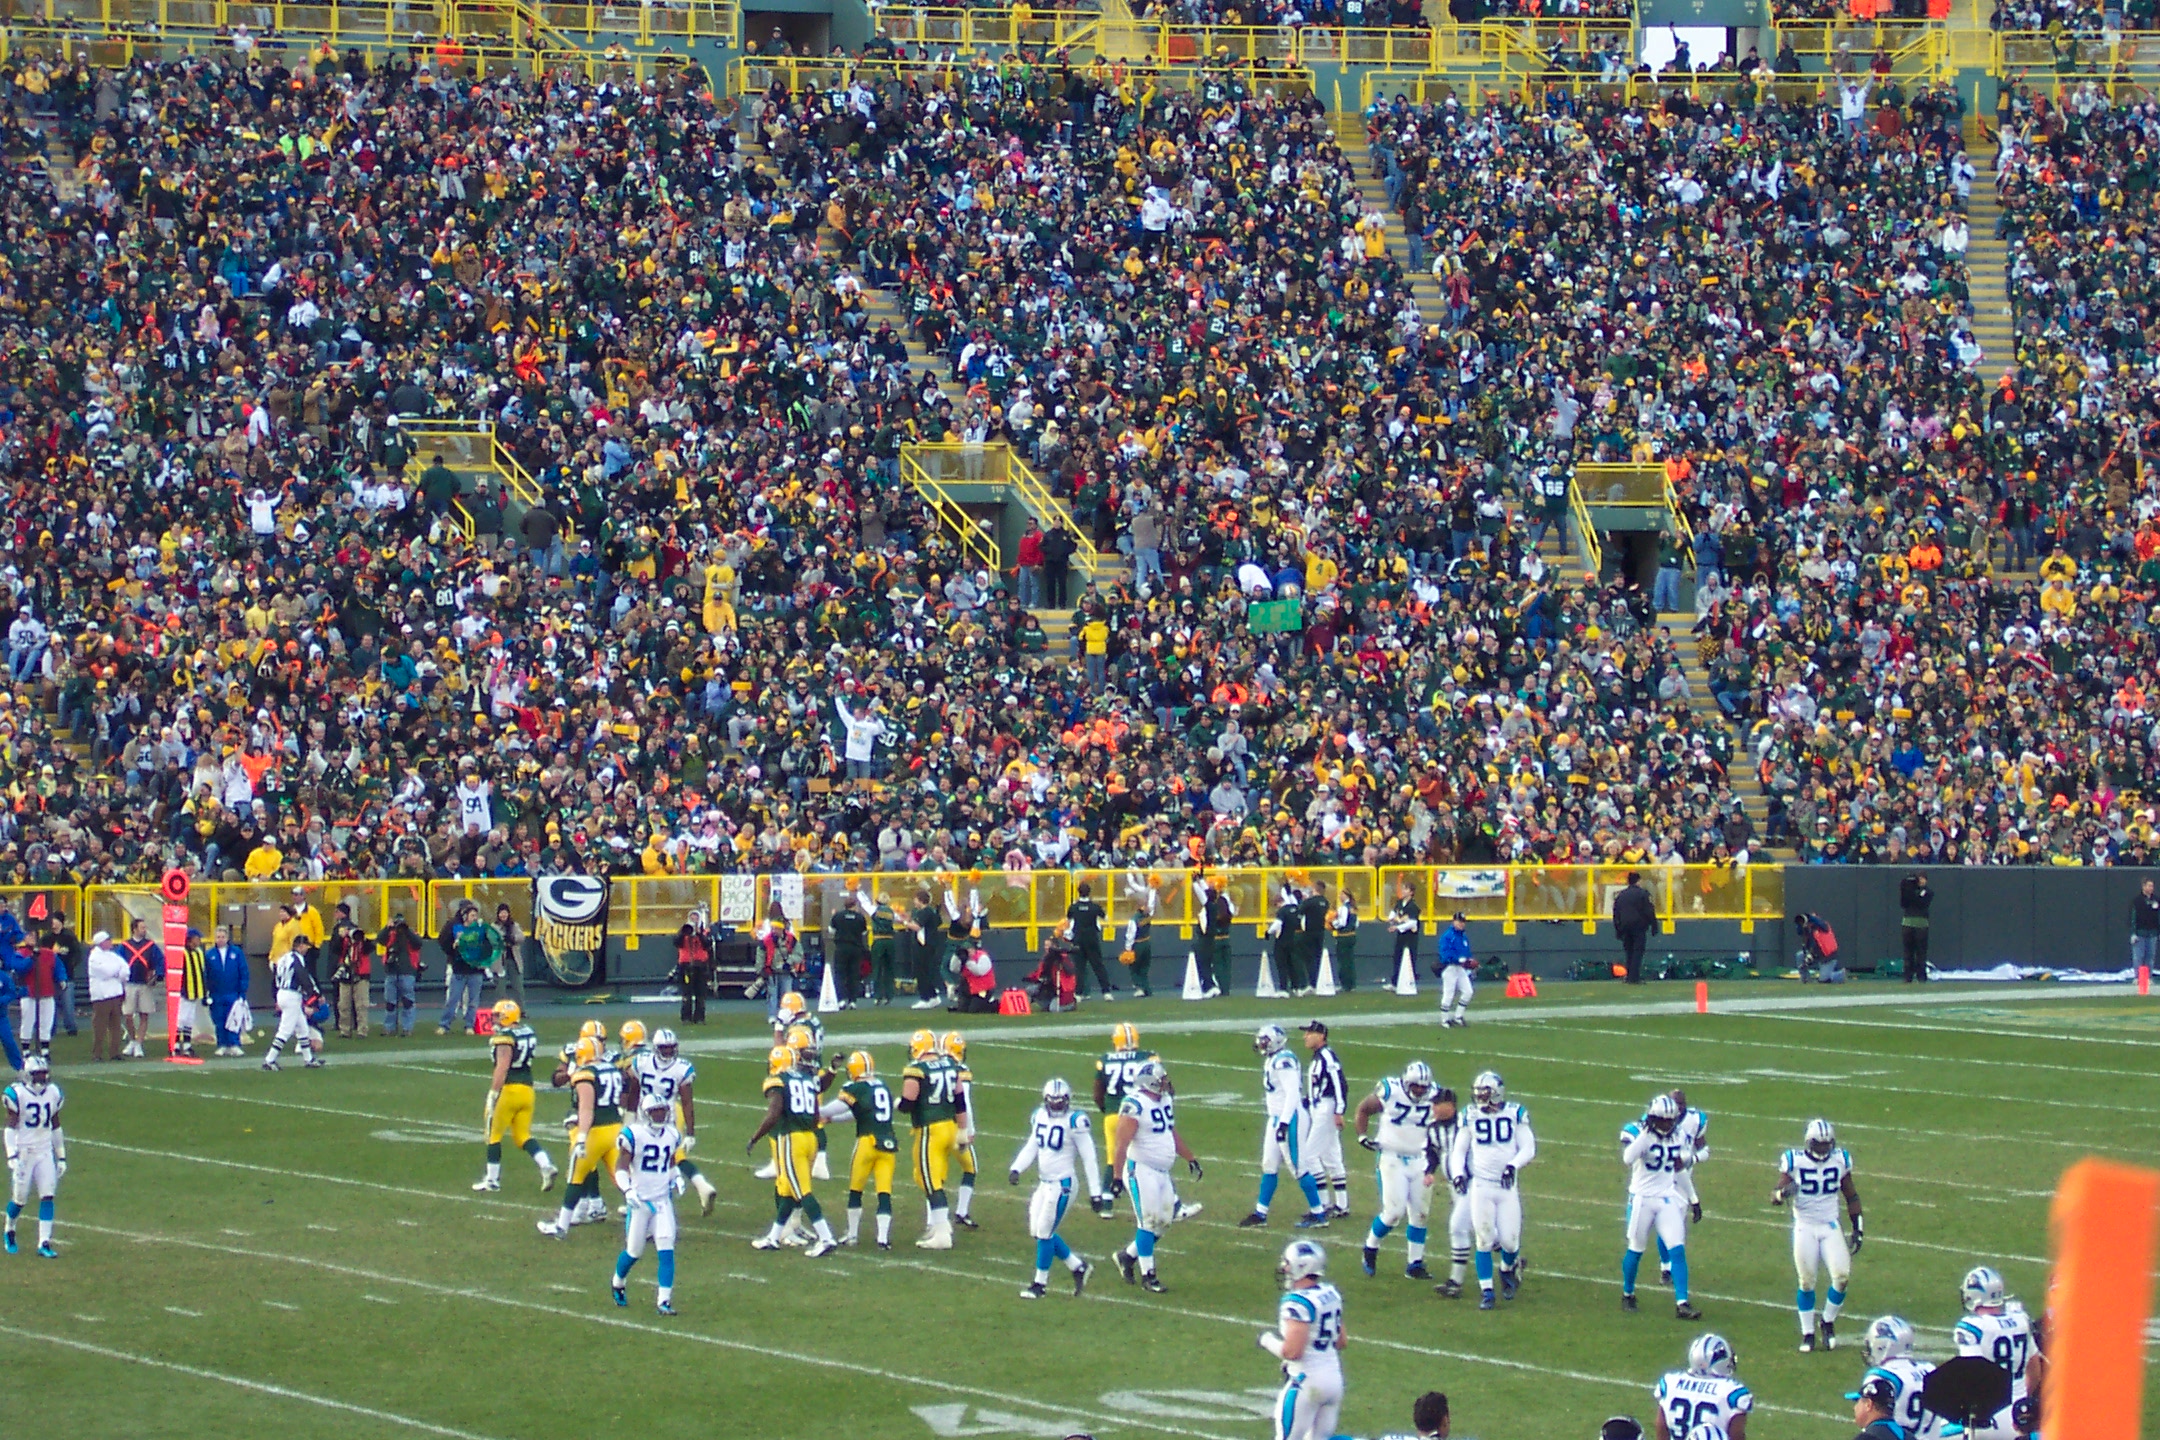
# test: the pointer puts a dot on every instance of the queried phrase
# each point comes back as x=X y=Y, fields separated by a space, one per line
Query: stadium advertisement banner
x=570 y=925
x=1703 y=14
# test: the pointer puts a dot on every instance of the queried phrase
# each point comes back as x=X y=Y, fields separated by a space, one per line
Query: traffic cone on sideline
x=1194 y=988
x=828 y=999
x=1325 y=985
x=1266 y=990
x=1406 y=976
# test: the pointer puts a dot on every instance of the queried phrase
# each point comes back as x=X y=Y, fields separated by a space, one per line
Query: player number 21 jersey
x=653 y=1152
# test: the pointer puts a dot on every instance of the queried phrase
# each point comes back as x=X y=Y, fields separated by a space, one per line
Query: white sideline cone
x=1194 y=989
x=1406 y=977
x=1266 y=989
x=828 y=999
x=1325 y=985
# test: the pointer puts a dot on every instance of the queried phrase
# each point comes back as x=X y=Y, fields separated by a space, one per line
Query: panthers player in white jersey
x=1889 y=1345
x=1144 y=1144
x=1657 y=1156
x=666 y=1072
x=1493 y=1145
x=1059 y=1143
x=1283 y=1140
x=1404 y=1109
x=1707 y=1394
x=647 y=1155
x=36 y=1150
x=1695 y=1134
x=1813 y=1177
x=1996 y=1328
x=1308 y=1340
x=1462 y=1234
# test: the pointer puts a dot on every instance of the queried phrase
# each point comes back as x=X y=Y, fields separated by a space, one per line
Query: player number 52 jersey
x=1689 y=1400
x=1818 y=1182
x=36 y=1116
x=1404 y=1123
x=1155 y=1142
x=1320 y=1308
x=1490 y=1141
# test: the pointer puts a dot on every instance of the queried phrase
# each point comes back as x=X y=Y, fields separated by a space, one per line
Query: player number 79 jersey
x=1818 y=1183
x=1155 y=1141
x=1689 y=1400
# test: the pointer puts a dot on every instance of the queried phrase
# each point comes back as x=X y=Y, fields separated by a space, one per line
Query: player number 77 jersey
x=1404 y=1123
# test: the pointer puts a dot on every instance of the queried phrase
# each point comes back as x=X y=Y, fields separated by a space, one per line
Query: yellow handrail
x=1038 y=499
x=1000 y=464
x=1593 y=552
x=966 y=528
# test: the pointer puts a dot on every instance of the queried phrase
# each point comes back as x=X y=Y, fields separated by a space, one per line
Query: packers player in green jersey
x=1115 y=1072
x=930 y=1094
x=792 y=1113
x=867 y=1099
x=509 y=1111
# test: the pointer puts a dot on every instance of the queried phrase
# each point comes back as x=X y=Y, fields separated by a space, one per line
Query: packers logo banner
x=570 y=925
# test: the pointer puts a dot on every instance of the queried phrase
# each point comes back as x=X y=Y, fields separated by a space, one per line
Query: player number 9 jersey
x=1155 y=1141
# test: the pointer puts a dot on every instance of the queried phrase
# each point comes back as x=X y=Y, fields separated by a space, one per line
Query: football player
x=930 y=1093
x=36 y=1149
x=1114 y=1072
x=1996 y=1328
x=1308 y=1342
x=1144 y=1144
x=794 y=1011
x=1060 y=1146
x=1707 y=1393
x=647 y=1154
x=600 y=1089
x=1657 y=1154
x=1813 y=1177
x=791 y=1120
x=510 y=1097
x=1404 y=1108
x=808 y=1043
x=953 y=1046
x=666 y=1072
x=1282 y=1139
x=1447 y=1123
x=1491 y=1149
x=587 y=1209
x=1888 y=1344
x=1695 y=1134
x=632 y=1046
x=866 y=1098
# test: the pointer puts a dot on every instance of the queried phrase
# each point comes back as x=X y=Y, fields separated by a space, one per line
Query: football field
x=244 y=1252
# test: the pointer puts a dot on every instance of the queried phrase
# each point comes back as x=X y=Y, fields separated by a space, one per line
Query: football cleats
x=792 y=1009
x=1268 y=1039
x=1663 y=1116
x=779 y=1060
x=1057 y=1096
x=1488 y=1090
x=860 y=1066
x=1301 y=1259
x=586 y=1051
x=1886 y=1339
x=507 y=1013
x=664 y=1043
x=1983 y=1289
x=1124 y=1036
x=922 y=1045
x=953 y=1045
x=632 y=1033
x=1821 y=1139
x=1152 y=1079
x=1417 y=1081
x=803 y=1043
x=1710 y=1355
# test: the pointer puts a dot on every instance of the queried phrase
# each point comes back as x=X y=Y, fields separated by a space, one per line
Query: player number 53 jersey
x=1818 y=1182
x=36 y=1116
x=663 y=1078
x=1155 y=1142
x=1321 y=1308
x=653 y=1152
x=1490 y=1141
x=1404 y=1123
x=1689 y=1400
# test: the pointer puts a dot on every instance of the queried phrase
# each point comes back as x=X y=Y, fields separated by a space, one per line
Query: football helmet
x=1057 y=1096
x=860 y=1066
x=953 y=1045
x=1983 y=1289
x=632 y=1033
x=664 y=1043
x=922 y=1045
x=1887 y=1338
x=780 y=1060
x=1417 y=1081
x=1152 y=1078
x=1268 y=1039
x=1488 y=1090
x=593 y=1030
x=1300 y=1259
x=1821 y=1139
x=586 y=1051
x=507 y=1013
x=657 y=1110
x=792 y=1009
x=1663 y=1116
x=803 y=1043
x=1124 y=1036
x=1710 y=1355
x=36 y=1071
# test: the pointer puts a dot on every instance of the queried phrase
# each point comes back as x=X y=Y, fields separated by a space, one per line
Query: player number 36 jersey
x=1817 y=1183
x=1689 y=1400
x=1155 y=1142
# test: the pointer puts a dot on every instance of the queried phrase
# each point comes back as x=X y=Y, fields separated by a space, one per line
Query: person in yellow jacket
x=2058 y=600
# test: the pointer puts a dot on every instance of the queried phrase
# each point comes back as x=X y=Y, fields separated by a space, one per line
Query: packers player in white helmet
x=953 y=1046
x=509 y=1112
x=791 y=1122
x=665 y=1073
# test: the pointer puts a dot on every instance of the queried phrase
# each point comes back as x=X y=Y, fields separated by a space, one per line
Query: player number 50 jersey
x=1054 y=1143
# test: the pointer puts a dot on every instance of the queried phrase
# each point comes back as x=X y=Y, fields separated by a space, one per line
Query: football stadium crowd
x=248 y=630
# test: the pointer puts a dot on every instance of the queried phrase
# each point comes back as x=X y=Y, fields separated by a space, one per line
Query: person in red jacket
x=1031 y=565
x=41 y=996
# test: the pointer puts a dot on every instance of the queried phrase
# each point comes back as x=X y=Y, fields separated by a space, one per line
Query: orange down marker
x=2103 y=1220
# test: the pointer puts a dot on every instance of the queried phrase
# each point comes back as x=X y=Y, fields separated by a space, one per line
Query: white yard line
x=240 y=1382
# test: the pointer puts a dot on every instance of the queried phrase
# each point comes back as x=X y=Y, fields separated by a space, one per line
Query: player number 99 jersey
x=1155 y=1141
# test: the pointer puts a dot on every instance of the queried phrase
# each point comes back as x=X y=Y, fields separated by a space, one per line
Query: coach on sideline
x=1634 y=916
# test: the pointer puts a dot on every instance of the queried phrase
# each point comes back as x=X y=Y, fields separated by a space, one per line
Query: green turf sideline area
x=244 y=1250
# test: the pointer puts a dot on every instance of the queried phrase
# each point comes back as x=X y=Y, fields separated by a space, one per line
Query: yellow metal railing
x=1593 y=553
x=974 y=536
x=966 y=30
x=950 y=461
x=1621 y=484
x=488 y=59
x=473 y=445
x=251 y=908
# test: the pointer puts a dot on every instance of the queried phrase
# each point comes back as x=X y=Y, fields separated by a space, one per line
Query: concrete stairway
x=1740 y=775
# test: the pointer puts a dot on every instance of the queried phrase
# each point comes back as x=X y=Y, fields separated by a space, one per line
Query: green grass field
x=243 y=1251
